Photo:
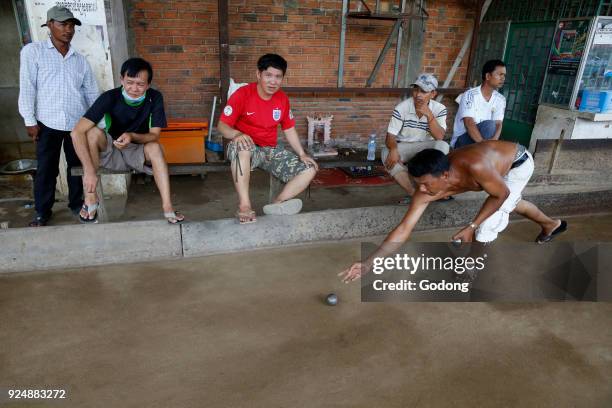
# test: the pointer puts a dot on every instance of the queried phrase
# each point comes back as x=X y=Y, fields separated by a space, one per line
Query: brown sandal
x=174 y=217
x=246 y=217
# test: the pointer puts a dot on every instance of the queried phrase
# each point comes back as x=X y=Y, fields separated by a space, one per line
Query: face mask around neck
x=131 y=100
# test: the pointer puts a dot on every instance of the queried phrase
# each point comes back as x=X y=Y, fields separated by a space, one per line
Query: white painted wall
x=91 y=39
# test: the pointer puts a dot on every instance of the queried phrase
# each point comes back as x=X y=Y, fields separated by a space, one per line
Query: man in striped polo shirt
x=417 y=123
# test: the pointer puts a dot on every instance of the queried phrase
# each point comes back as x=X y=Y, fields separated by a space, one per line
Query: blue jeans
x=486 y=129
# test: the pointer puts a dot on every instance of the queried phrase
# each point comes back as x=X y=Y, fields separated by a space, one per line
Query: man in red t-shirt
x=250 y=120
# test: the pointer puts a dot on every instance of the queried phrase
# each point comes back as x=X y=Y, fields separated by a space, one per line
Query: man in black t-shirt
x=133 y=116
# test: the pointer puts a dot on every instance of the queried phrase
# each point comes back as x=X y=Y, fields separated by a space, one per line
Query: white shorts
x=516 y=180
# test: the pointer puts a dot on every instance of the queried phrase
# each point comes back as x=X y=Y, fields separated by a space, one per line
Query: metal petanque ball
x=331 y=299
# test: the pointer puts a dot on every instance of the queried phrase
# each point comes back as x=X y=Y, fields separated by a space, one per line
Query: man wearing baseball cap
x=417 y=123
x=61 y=14
x=56 y=87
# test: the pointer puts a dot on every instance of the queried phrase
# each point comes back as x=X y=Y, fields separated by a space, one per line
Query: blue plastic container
x=596 y=101
x=589 y=101
x=605 y=102
x=213 y=146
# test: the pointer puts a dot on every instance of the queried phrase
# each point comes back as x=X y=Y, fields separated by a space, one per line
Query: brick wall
x=448 y=24
x=180 y=38
x=355 y=115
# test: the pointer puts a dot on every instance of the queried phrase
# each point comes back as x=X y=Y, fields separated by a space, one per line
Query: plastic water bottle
x=372 y=147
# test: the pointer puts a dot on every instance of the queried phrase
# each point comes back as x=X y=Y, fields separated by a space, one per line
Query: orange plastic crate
x=183 y=141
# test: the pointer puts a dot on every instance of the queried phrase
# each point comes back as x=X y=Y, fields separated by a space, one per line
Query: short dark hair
x=133 y=66
x=428 y=161
x=272 y=60
x=490 y=66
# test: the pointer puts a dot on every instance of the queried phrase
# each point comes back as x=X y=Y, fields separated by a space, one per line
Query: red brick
x=309 y=40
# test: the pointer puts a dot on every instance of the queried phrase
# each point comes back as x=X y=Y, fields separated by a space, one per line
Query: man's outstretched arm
x=394 y=240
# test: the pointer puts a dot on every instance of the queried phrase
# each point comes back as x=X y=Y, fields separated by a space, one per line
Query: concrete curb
x=30 y=249
x=226 y=236
x=68 y=246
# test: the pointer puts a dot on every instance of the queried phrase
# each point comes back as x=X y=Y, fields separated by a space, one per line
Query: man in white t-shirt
x=417 y=123
x=481 y=109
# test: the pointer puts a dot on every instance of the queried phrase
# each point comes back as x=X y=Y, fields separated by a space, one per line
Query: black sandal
x=89 y=209
x=543 y=238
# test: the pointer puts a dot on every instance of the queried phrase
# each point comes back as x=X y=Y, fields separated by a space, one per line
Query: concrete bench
x=214 y=167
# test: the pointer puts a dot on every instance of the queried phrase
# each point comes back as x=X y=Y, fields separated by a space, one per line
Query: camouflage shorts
x=281 y=163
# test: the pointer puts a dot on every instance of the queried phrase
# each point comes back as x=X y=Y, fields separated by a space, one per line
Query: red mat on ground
x=338 y=178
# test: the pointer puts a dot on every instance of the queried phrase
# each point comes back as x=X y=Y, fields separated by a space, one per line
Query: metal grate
x=491 y=45
x=526 y=56
x=521 y=11
x=605 y=9
x=558 y=89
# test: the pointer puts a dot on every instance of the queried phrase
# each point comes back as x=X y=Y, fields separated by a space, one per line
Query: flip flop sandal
x=542 y=238
x=174 y=217
x=92 y=213
x=246 y=217
x=289 y=207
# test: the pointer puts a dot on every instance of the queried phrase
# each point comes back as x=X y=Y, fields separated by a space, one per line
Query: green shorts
x=281 y=163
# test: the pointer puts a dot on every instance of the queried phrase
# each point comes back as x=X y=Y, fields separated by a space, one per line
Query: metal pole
x=398 y=46
x=345 y=6
x=224 y=49
x=212 y=118
x=474 y=43
x=382 y=55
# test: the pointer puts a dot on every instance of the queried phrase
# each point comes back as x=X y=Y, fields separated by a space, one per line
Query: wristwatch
x=473 y=226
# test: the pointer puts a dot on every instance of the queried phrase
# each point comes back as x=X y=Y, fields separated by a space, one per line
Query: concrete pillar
x=117 y=33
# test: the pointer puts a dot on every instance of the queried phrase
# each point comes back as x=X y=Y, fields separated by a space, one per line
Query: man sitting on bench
x=250 y=120
x=417 y=123
x=133 y=116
